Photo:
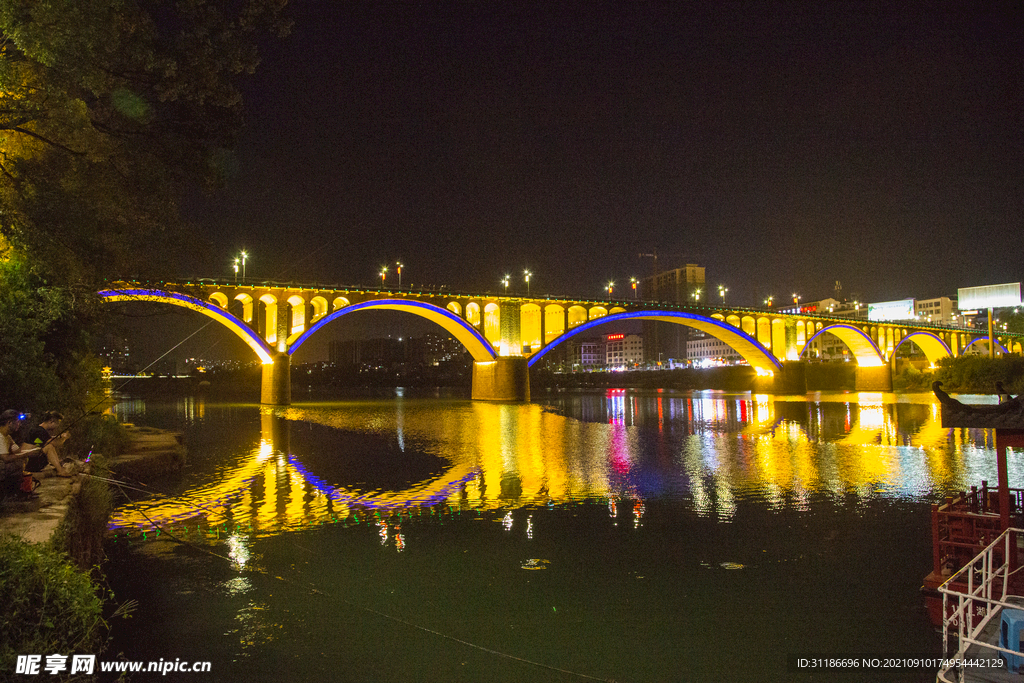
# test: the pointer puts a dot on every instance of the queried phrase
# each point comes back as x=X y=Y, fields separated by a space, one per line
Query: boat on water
x=975 y=590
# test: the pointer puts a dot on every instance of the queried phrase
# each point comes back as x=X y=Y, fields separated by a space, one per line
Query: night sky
x=782 y=146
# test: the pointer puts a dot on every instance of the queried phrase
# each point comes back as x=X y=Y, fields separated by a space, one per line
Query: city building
x=585 y=353
x=623 y=350
x=703 y=350
x=680 y=285
x=823 y=307
x=941 y=311
x=433 y=349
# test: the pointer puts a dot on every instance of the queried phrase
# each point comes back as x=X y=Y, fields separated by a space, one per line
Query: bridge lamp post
x=722 y=289
x=244 y=256
x=632 y=281
x=611 y=286
x=527 y=274
x=236 y=271
x=796 y=299
x=399 y=264
x=383 y=274
x=696 y=295
x=505 y=282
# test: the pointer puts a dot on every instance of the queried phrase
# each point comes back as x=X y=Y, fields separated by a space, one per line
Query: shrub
x=100 y=434
x=46 y=605
x=979 y=374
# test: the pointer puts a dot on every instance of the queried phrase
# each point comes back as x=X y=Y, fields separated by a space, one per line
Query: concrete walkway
x=150 y=451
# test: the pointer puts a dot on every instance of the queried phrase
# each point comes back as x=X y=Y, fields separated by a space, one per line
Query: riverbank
x=51 y=590
x=149 y=451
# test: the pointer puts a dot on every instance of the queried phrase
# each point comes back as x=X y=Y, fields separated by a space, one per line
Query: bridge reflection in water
x=711 y=449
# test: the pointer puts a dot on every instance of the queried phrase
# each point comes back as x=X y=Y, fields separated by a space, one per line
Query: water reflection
x=708 y=449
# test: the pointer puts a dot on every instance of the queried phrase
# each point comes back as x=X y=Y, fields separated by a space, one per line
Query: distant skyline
x=783 y=146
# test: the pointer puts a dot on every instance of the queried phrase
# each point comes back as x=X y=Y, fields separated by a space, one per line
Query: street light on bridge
x=505 y=281
x=527 y=274
x=696 y=294
x=632 y=281
x=796 y=299
x=722 y=289
x=769 y=300
x=611 y=286
x=399 y=264
x=236 y=271
x=244 y=256
x=383 y=274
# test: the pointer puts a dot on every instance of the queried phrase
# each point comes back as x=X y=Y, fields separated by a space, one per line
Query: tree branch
x=24 y=131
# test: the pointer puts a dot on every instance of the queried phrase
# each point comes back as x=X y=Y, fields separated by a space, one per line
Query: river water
x=620 y=536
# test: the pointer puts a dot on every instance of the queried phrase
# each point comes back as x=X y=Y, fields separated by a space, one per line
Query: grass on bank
x=47 y=605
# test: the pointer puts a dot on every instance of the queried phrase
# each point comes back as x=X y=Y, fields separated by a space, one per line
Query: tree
x=111 y=110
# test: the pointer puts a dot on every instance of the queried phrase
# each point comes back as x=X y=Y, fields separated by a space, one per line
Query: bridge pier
x=276 y=386
x=873 y=379
x=506 y=378
x=791 y=379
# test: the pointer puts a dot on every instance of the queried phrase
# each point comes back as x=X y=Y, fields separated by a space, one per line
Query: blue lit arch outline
x=475 y=343
x=719 y=330
x=246 y=333
x=998 y=344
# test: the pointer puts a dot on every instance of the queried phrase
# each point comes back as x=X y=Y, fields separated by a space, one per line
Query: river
x=628 y=536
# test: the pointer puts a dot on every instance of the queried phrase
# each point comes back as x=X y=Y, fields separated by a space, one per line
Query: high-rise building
x=678 y=286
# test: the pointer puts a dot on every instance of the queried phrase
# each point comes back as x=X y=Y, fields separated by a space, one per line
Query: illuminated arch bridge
x=507 y=334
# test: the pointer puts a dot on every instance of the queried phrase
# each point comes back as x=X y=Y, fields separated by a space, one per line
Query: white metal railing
x=985 y=597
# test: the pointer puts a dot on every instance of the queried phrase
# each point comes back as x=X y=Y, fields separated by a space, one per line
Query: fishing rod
x=126 y=383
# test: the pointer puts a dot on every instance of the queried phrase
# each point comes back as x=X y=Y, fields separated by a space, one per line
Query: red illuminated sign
x=613 y=337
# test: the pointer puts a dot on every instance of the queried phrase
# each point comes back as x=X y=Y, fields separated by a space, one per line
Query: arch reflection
x=713 y=449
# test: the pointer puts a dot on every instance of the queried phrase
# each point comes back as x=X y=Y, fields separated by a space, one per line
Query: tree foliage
x=110 y=110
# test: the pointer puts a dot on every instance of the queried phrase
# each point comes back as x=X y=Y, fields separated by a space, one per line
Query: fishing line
x=129 y=380
x=316 y=591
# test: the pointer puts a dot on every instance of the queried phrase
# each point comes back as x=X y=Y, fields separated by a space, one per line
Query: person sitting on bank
x=41 y=445
x=12 y=459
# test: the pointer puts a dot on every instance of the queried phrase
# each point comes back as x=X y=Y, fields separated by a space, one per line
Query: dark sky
x=782 y=146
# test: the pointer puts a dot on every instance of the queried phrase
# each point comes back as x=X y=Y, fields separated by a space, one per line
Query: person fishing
x=41 y=445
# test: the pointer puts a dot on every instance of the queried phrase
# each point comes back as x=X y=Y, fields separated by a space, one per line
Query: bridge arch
x=492 y=322
x=554 y=323
x=246 y=302
x=320 y=308
x=269 y=302
x=577 y=316
x=478 y=347
x=983 y=341
x=933 y=345
x=473 y=313
x=754 y=353
x=298 y=316
x=860 y=344
x=220 y=298
x=249 y=336
x=530 y=317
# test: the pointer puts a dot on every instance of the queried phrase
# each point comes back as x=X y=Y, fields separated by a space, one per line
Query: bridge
x=506 y=335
